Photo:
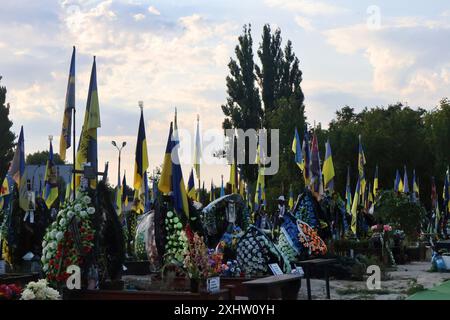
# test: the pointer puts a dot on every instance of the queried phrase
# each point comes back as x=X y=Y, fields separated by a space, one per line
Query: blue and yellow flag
x=260 y=193
x=172 y=176
x=348 y=193
x=66 y=138
x=4 y=193
x=355 y=207
x=405 y=181
x=233 y=178
x=222 y=189
x=297 y=150
x=375 y=182
x=17 y=168
x=316 y=171
x=141 y=156
x=197 y=150
x=306 y=160
x=446 y=193
x=328 y=168
x=415 y=185
x=361 y=164
x=291 y=198
x=124 y=191
x=50 y=193
x=398 y=184
x=191 y=186
x=119 y=198
x=87 y=147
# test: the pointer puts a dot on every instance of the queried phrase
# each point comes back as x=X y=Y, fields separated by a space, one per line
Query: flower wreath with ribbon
x=68 y=240
x=310 y=239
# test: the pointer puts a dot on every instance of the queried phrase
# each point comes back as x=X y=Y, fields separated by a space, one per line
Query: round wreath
x=60 y=249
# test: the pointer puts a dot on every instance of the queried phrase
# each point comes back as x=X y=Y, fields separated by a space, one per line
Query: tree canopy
x=41 y=157
x=8 y=137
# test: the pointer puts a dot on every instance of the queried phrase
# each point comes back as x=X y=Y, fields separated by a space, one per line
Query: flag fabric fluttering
x=141 y=164
x=212 y=195
x=416 y=185
x=375 y=182
x=398 y=184
x=123 y=193
x=171 y=176
x=191 y=186
x=222 y=189
x=355 y=207
x=50 y=192
x=197 y=150
x=316 y=174
x=4 y=193
x=65 y=140
x=291 y=198
x=348 y=193
x=17 y=168
x=405 y=181
x=361 y=164
x=297 y=150
x=119 y=197
x=306 y=160
x=233 y=178
x=87 y=146
x=328 y=168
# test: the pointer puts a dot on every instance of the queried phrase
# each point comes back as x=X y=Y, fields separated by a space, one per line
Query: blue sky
x=175 y=53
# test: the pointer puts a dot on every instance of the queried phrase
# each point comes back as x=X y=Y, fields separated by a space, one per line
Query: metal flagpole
x=73 y=151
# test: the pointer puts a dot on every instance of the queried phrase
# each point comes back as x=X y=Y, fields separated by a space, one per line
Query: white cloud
x=307 y=7
x=304 y=23
x=404 y=56
x=154 y=11
x=139 y=17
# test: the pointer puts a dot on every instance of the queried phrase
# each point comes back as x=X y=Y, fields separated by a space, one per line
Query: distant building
x=36 y=175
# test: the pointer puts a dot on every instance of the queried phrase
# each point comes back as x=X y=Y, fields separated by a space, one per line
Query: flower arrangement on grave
x=196 y=259
x=61 y=247
x=231 y=269
x=176 y=241
x=40 y=290
x=215 y=259
x=10 y=292
x=311 y=240
x=386 y=235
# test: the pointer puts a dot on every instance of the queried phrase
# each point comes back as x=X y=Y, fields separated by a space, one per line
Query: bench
x=285 y=286
x=308 y=264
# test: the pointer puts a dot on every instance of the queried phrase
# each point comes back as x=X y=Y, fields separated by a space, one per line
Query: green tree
x=243 y=108
x=41 y=157
x=7 y=136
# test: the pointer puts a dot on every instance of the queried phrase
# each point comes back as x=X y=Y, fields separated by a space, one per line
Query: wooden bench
x=285 y=286
x=308 y=264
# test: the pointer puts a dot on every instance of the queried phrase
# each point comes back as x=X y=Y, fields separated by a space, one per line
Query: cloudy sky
x=174 y=53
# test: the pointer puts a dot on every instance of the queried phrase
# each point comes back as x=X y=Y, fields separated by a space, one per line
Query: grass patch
x=414 y=289
x=349 y=291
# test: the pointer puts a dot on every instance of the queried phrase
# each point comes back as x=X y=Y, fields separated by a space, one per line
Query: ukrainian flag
x=197 y=150
x=172 y=176
x=328 y=168
x=222 y=189
x=87 y=147
x=50 y=193
x=124 y=193
x=291 y=198
x=348 y=193
x=66 y=137
x=415 y=184
x=17 y=168
x=398 y=184
x=119 y=191
x=297 y=150
x=4 y=193
x=355 y=207
x=361 y=164
x=141 y=156
x=405 y=182
x=375 y=182
x=260 y=194
x=233 y=178
x=191 y=186
x=306 y=159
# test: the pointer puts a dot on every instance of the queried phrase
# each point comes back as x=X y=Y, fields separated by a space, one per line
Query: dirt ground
x=396 y=287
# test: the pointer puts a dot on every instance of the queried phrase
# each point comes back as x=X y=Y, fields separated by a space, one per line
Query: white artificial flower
x=45 y=268
x=78 y=207
x=48 y=255
x=70 y=214
x=27 y=294
x=44 y=244
x=86 y=199
x=83 y=214
x=59 y=236
x=91 y=210
x=53 y=234
x=62 y=223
